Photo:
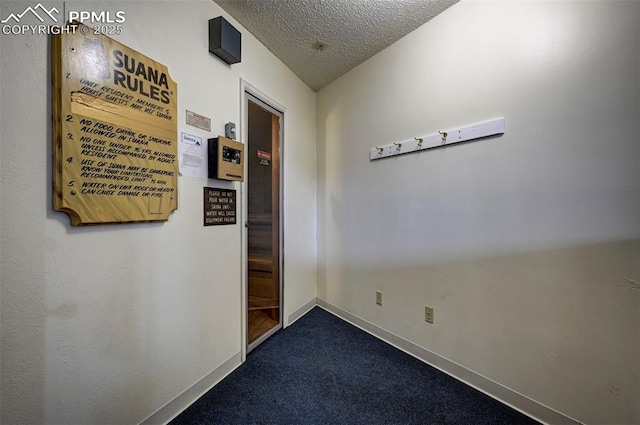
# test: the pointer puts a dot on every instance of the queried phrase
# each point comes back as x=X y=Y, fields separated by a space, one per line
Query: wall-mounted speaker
x=224 y=40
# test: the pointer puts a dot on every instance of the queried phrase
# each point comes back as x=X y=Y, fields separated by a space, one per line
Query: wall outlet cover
x=428 y=314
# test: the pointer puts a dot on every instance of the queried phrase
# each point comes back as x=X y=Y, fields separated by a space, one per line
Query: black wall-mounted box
x=224 y=40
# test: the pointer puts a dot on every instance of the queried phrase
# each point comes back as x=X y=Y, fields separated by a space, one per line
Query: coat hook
x=398 y=145
x=380 y=150
x=444 y=136
x=419 y=140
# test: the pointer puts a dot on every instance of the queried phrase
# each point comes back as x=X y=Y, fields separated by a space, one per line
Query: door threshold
x=260 y=340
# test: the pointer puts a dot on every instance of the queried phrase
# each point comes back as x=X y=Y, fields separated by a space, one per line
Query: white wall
x=527 y=245
x=107 y=324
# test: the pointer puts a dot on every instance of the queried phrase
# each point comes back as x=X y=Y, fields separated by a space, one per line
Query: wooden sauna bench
x=264 y=285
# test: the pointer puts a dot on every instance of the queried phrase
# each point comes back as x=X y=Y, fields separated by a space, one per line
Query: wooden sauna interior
x=263 y=222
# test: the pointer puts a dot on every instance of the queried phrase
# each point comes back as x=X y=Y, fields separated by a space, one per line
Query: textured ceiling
x=320 y=40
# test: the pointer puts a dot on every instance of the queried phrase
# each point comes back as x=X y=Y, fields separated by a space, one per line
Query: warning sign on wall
x=219 y=206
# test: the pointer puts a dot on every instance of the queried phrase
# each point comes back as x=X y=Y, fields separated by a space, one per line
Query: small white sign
x=193 y=161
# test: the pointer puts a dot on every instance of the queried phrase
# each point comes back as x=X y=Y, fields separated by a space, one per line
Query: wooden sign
x=114 y=132
x=219 y=206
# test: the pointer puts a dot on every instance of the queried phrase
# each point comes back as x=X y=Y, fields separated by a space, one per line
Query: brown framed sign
x=219 y=206
x=114 y=132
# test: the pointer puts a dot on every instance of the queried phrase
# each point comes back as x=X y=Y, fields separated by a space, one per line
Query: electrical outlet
x=379 y=297
x=428 y=314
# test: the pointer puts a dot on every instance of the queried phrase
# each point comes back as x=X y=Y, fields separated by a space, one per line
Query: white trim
x=250 y=92
x=493 y=389
x=242 y=131
x=249 y=88
x=481 y=383
x=179 y=404
x=301 y=311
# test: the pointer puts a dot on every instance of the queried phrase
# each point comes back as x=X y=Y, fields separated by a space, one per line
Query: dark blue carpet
x=322 y=370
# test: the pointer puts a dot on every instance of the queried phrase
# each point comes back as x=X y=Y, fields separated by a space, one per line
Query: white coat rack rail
x=442 y=138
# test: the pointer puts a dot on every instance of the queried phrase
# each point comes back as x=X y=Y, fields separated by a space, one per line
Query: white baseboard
x=491 y=388
x=301 y=311
x=176 y=406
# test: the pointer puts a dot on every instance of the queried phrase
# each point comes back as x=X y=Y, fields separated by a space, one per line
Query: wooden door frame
x=249 y=92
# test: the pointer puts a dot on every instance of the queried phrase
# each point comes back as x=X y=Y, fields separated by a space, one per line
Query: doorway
x=264 y=256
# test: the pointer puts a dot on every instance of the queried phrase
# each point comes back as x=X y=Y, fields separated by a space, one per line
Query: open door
x=264 y=288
